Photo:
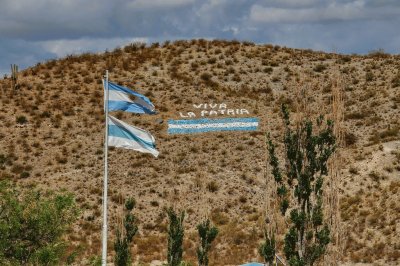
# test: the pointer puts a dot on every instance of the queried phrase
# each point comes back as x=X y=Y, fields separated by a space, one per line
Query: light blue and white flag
x=209 y=125
x=122 y=135
x=124 y=99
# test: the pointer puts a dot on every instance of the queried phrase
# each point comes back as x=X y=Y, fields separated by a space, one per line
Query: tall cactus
x=14 y=76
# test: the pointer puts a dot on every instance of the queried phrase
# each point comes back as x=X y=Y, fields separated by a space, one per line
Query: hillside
x=59 y=144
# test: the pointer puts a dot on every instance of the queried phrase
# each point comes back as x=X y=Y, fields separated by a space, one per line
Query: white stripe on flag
x=123 y=135
x=118 y=96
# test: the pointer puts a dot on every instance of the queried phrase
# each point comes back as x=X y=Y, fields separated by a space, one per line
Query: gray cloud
x=157 y=4
x=66 y=47
x=33 y=31
x=49 y=19
x=290 y=3
x=22 y=53
x=333 y=11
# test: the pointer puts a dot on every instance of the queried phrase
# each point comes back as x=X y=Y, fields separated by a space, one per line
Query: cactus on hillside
x=14 y=76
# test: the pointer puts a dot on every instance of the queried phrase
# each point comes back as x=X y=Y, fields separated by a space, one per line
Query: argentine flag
x=124 y=99
x=122 y=135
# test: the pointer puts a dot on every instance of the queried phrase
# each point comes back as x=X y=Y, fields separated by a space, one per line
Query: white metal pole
x=105 y=182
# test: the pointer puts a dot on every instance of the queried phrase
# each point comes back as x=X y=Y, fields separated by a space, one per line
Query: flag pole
x=105 y=182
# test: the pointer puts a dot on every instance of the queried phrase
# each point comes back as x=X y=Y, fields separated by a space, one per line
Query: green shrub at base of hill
x=32 y=225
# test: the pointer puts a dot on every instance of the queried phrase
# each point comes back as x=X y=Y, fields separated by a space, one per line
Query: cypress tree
x=300 y=187
x=122 y=243
x=175 y=237
x=267 y=249
x=207 y=234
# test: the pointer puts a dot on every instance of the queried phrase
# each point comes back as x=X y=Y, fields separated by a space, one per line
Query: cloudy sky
x=36 y=30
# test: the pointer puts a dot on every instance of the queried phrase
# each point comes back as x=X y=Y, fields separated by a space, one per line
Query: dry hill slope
x=60 y=144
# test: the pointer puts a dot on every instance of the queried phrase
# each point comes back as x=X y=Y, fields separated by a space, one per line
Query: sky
x=33 y=31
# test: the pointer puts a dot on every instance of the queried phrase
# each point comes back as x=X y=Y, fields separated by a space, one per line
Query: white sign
x=212 y=109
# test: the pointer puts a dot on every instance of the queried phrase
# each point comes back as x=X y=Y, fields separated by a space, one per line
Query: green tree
x=122 y=243
x=32 y=224
x=207 y=234
x=267 y=249
x=175 y=237
x=300 y=187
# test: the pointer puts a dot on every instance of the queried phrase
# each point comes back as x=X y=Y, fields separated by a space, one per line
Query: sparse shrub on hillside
x=21 y=120
x=206 y=76
x=319 y=68
x=88 y=79
x=375 y=176
x=24 y=175
x=307 y=154
x=236 y=78
x=357 y=115
x=353 y=170
x=268 y=70
x=388 y=134
x=212 y=186
x=6 y=160
x=19 y=168
x=369 y=76
x=61 y=159
x=396 y=80
x=219 y=218
x=275 y=79
x=350 y=139
x=228 y=62
x=274 y=64
x=242 y=199
x=45 y=114
x=379 y=53
x=344 y=59
x=212 y=60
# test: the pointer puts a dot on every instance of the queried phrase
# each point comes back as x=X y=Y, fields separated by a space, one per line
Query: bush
x=396 y=80
x=369 y=76
x=356 y=116
x=24 y=175
x=21 y=119
x=268 y=70
x=205 y=76
x=350 y=139
x=319 y=68
x=32 y=225
x=212 y=186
